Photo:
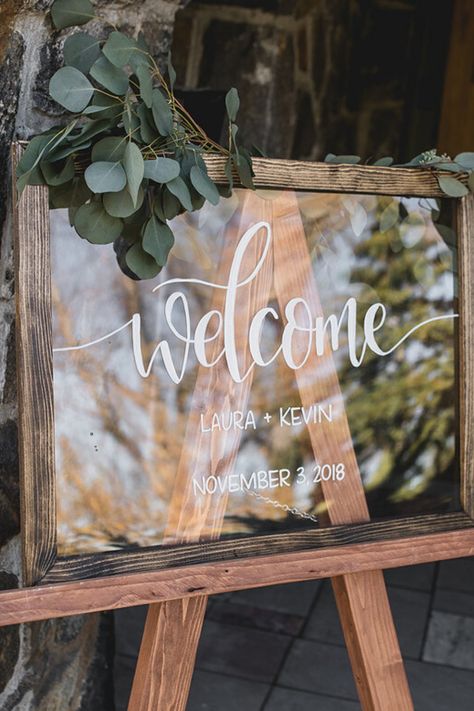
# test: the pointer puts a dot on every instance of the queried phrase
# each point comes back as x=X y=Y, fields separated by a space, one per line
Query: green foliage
x=452 y=186
x=71 y=88
x=81 y=51
x=66 y=13
x=140 y=152
x=130 y=160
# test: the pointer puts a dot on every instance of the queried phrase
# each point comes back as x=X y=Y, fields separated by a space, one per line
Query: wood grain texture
x=163 y=680
x=169 y=645
x=98 y=565
x=362 y=601
x=35 y=379
x=371 y=640
x=331 y=441
x=326 y=177
x=60 y=599
x=465 y=231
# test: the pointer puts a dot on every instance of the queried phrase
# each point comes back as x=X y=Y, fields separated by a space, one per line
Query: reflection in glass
x=154 y=446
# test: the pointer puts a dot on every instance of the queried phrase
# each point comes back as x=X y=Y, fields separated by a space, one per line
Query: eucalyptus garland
x=449 y=184
x=131 y=158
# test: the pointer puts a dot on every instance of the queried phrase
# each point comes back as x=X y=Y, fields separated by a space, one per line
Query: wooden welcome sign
x=291 y=398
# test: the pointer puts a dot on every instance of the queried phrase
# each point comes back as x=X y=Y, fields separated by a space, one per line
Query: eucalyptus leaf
x=232 y=103
x=452 y=186
x=64 y=151
x=131 y=122
x=121 y=204
x=109 y=76
x=67 y=13
x=148 y=130
x=225 y=191
x=228 y=172
x=141 y=56
x=146 y=85
x=384 y=162
x=158 y=240
x=81 y=51
x=349 y=159
x=89 y=130
x=94 y=224
x=38 y=149
x=70 y=88
x=32 y=177
x=105 y=177
x=72 y=194
x=141 y=263
x=171 y=205
x=466 y=160
x=79 y=141
x=258 y=152
x=197 y=199
x=111 y=149
x=119 y=48
x=171 y=71
x=59 y=172
x=204 y=185
x=450 y=167
x=33 y=154
x=103 y=106
x=162 y=170
x=244 y=170
x=179 y=189
x=162 y=114
x=134 y=169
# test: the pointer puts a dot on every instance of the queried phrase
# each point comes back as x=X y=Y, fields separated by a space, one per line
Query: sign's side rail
x=464 y=228
x=35 y=378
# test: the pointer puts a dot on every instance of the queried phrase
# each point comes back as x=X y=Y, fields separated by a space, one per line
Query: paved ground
x=281 y=648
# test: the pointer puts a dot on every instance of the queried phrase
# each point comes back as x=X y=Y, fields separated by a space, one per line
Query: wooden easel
x=172 y=630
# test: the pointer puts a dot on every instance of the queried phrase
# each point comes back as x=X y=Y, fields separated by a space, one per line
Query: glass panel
x=217 y=399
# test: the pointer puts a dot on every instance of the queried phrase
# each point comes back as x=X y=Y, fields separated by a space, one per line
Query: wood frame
x=42 y=566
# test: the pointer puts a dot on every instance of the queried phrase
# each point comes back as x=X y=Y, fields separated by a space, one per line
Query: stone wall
x=59 y=665
x=319 y=76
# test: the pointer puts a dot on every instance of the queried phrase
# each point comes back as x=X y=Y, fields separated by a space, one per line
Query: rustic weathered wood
x=362 y=601
x=163 y=680
x=167 y=655
x=327 y=177
x=35 y=379
x=371 y=640
x=99 y=565
x=39 y=494
x=77 y=597
x=465 y=222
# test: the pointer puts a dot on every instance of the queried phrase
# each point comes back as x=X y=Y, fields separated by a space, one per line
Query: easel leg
x=167 y=655
x=172 y=629
x=361 y=598
x=371 y=641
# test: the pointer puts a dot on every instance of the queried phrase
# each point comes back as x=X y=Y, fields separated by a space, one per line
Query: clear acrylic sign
x=297 y=346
